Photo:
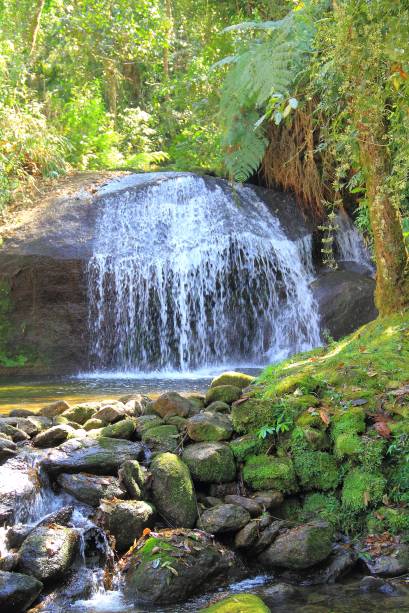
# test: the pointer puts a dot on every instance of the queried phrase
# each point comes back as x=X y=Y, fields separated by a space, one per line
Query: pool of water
x=33 y=393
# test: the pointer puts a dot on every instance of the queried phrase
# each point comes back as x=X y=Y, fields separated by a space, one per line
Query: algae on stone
x=263 y=472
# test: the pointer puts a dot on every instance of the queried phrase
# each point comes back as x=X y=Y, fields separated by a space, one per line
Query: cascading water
x=185 y=275
x=350 y=243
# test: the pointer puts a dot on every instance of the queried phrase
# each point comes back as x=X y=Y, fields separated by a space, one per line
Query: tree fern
x=264 y=71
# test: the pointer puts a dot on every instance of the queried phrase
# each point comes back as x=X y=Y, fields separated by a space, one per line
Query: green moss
x=362 y=489
x=262 y=472
x=373 y=451
x=348 y=444
x=79 y=413
x=239 y=603
x=351 y=421
x=237 y=379
x=156 y=548
x=251 y=415
x=162 y=438
x=223 y=393
x=248 y=445
x=325 y=506
x=316 y=470
x=291 y=509
x=210 y=462
x=302 y=381
x=308 y=438
x=310 y=419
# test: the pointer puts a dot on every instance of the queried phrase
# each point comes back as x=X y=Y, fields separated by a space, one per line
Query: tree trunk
x=392 y=263
x=35 y=28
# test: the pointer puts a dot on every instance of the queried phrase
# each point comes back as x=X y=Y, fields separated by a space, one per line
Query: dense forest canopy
x=311 y=95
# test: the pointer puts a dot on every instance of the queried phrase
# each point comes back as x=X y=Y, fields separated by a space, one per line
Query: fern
x=261 y=76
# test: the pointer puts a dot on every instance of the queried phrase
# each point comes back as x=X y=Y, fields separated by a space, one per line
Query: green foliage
x=262 y=472
x=316 y=470
x=325 y=506
x=362 y=489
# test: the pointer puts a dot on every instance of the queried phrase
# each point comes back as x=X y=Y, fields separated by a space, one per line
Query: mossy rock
x=218 y=407
x=175 y=420
x=80 y=413
x=316 y=470
x=362 y=489
x=393 y=520
x=348 y=444
x=263 y=472
x=238 y=379
x=239 y=603
x=93 y=424
x=145 y=422
x=208 y=426
x=162 y=438
x=311 y=420
x=297 y=381
x=210 y=462
x=308 y=438
x=248 y=445
x=373 y=450
x=351 y=421
x=252 y=415
x=125 y=520
x=324 y=506
x=173 y=491
x=134 y=477
x=121 y=429
x=222 y=393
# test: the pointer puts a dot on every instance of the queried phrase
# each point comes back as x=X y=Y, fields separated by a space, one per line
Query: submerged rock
x=238 y=603
x=172 y=565
x=125 y=520
x=47 y=552
x=210 y=462
x=90 y=489
x=300 y=547
x=209 y=426
x=224 y=518
x=173 y=491
x=17 y=592
x=101 y=457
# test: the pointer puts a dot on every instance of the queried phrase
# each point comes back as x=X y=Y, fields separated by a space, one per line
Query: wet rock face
x=91 y=489
x=125 y=520
x=18 y=486
x=224 y=518
x=48 y=552
x=175 y=564
x=17 y=592
x=103 y=456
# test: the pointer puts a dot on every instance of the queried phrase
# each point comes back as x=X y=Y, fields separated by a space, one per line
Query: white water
x=185 y=276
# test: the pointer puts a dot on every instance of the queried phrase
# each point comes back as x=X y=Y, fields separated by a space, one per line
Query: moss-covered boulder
x=222 y=393
x=208 y=426
x=252 y=414
x=173 y=403
x=210 y=462
x=18 y=591
x=175 y=564
x=80 y=413
x=162 y=438
x=48 y=552
x=248 y=445
x=111 y=413
x=134 y=478
x=124 y=429
x=239 y=603
x=90 y=489
x=175 y=420
x=362 y=489
x=93 y=424
x=173 y=492
x=316 y=470
x=324 y=506
x=263 y=472
x=238 y=379
x=145 y=422
x=218 y=407
x=300 y=547
x=224 y=518
x=125 y=520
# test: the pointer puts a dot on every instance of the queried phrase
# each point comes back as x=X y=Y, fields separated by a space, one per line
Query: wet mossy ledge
x=302 y=472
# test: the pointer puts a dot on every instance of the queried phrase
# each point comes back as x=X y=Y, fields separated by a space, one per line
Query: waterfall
x=187 y=273
x=350 y=243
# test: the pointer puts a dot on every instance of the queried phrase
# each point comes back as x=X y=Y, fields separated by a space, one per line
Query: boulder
x=93 y=424
x=267 y=536
x=80 y=413
x=173 y=491
x=125 y=520
x=173 y=403
x=54 y=409
x=250 y=505
x=394 y=564
x=238 y=379
x=299 y=547
x=247 y=536
x=16 y=435
x=8 y=449
x=268 y=499
x=210 y=462
x=124 y=429
x=161 y=438
x=21 y=413
x=175 y=420
x=19 y=485
x=48 y=552
x=238 y=603
x=17 y=592
x=265 y=472
x=133 y=477
x=223 y=393
x=145 y=422
x=111 y=413
x=209 y=426
x=175 y=564
x=224 y=518
x=100 y=457
x=90 y=489
x=17 y=534
x=53 y=437
x=218 y=407
x=345 y=301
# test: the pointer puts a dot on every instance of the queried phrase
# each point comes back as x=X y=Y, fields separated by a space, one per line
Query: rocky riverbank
x=296 y=475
